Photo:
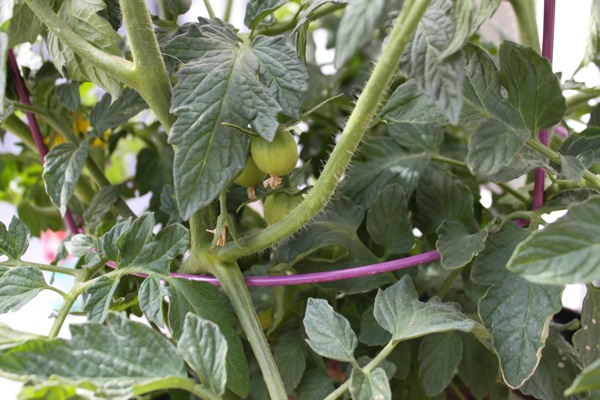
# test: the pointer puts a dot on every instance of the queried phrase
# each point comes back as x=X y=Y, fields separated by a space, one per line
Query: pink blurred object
x=50 y=242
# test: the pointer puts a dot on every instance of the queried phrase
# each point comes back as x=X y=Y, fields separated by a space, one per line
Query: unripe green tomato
x=278 y=205
x=251 y=175
x=277 y=158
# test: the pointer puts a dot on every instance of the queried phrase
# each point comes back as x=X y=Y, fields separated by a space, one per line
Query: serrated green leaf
x=151 y=296
x=383 y=162
x=371 y=333
x=462 y=14
x=483 y=99
x=587 y=339
x=572 y=168
x=14 y=241
x=457 y=246
x=68 y=95
x=524 y=161
x=226 y=81
x=493 y=146
x=315 y=385
x=392 y=230
x=439 y=356
x=329 y=333
x=587 y=380
x=112 y=13
x=204 y=348
x=101 y=294
x=111 y=111
x=516 y=312
x=418 y=137
x=25 y=26
x=566 y=251
x=484 y=12
x=178 y=7
x=10 y=337
x=372 y=385
x=80 y=244
x=441 y=79
x=531 y=85
x=408 y=105
x=101 y=204
x=307 y=15
x=110 y=358
x=257 y=10
x=132 y=241
x=442 y=197
x=555 y=372
x=361 y=18
x=82 y=17
x=478 y=367
x=289 y=353
x=18 y=286
x=205 y=300
x=108 y=242
x=168 y=204
x=62 y=169
x=399 y=311
x=580 y=143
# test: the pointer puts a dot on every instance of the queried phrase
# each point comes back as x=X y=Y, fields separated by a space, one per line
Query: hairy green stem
x=176 y=383
x=448 y=283
x=19 y=129
x=44 y=267
x=150 y=74
x=526 y=23
x=209 y=9
x=288 y=25
x=359 y=121
x=70 y=299
x=581 y=98
x=227 y=14
x=457 y=393
x=516 y=194
x=449 y=161
x=379 y=358
x=592 y=180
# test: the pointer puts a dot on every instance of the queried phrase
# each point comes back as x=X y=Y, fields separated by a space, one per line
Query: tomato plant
x=389 y=277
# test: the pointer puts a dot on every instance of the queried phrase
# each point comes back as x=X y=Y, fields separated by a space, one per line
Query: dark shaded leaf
x=456 y=246
x=408 y=105
x=587 y=339
x=439 y=356
x=289 y=353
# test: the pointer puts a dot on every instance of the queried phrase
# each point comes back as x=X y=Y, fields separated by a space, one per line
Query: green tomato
x=277 y=158
x=251 y=175
x=278 y=205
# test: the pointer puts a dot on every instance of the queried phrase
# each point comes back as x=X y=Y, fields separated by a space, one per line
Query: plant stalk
x=227 y=14
x=358 y=123
x=209 y=9
x=526 y=23
x=44 y=267
x=285 y=26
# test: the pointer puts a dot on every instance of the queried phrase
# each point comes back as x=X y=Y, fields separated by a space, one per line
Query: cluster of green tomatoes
x=276 y=158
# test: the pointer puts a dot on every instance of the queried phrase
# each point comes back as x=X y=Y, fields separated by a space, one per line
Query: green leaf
x=204 y=300
x=371 y=333
x=257 y=10
x=493 y=146
x=80 y=244
x=383 y=162
x=418 y=137
x=572 y=168
x=587 y=380
x=587 y=339
x=168 y=204
x=408 y=105
x=108 y=241
x=50 y=390
x=24 y=26
x=101 y=294
x=226 y=81
x=478 y=367
x=442 y=197
x=18 y=286
x=483 y=99
x=204 y=348
x=289 y=353
x=62 y=169
x=82 y=17
x=68 y=95
x=439 y=356
x=388 y=221
x=132 y=241
x=457 y=246
x=14 y=241
x=11 y=338
x=516 y=312
x=556 y=371
x=101 y=204
x=441 y=79
x=524 y=161
x=580 y=143
x=462 y=14
x=178 y=7
x=399 y=311
x=369 y=385
x=110 y=359
x=307 y=16
x=329 y=333
x=566 y=251
x=108 y=114
x=361 y=18
x=315 y=385
x=151 y=296
x=532 y=87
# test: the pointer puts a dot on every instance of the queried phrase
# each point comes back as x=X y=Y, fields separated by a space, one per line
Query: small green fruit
x=278 y=205
x=277 y=158
x=251 y=175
